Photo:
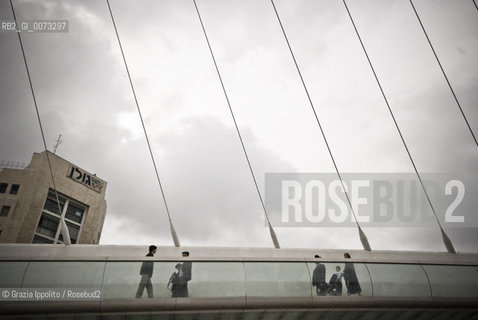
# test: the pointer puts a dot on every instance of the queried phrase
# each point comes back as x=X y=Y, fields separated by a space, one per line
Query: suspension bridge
x=246 y=283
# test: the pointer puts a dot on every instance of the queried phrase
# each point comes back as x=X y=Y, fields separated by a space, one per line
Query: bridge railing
x=244 y=279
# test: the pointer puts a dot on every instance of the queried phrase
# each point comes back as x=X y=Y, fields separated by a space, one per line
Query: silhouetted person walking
x=184 y=276
x=351 y=280
x=318 y=278
x=146 y=273
x=174 y=282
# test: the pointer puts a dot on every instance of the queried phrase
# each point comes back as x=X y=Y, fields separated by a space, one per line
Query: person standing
x=351 y=280
x=146 y=273
x=174 y=282
x=184 y=276
x=318 y=278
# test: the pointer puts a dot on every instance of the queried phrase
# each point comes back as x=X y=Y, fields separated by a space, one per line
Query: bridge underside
x=275 y=314
x=254 y=308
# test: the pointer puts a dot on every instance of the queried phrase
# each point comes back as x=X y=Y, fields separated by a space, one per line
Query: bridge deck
x=234 y=279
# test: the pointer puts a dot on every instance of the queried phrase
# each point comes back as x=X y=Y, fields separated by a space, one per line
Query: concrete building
x=29 y=209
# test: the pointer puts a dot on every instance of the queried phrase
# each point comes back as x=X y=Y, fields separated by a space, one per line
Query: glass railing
x=120 y=279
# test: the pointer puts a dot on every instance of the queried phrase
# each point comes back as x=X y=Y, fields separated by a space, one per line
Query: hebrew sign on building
x=86 y=178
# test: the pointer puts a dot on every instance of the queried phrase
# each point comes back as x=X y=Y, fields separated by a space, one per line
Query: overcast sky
x=83 y=94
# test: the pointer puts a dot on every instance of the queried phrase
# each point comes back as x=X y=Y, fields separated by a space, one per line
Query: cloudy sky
x=83 y=94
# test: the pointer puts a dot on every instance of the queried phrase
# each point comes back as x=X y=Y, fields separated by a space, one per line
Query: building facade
x=29 y=206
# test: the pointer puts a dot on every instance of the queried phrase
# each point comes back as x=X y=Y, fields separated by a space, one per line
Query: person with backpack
x=184 y=276
x=174 y=282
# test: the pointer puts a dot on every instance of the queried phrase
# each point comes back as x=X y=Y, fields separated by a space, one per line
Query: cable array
x=173 y=231
x=444 y=74
x=63 y=226
x=64 y=229
x=446 y=240
x=363 y=238
x=271 y=230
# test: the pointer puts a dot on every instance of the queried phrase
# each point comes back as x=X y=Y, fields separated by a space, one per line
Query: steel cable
x=271 y=230
x=446 y=240
x=363 y=238
x=173 y=231
x=444 y=74
x=63 y=226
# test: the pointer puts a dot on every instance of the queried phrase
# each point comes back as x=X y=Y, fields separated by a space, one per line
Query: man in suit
x=318 y=278
x=184 y=276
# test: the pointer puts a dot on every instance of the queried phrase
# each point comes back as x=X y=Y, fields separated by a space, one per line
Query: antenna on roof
x=58 y=142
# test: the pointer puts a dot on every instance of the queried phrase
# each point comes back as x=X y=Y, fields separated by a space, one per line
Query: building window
x=3 y=187
x=38 y=239
x=48 y=225
x=49 y=230
x=51 y=204
x=75 y=212
x=14 y=189
x=5 y=211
